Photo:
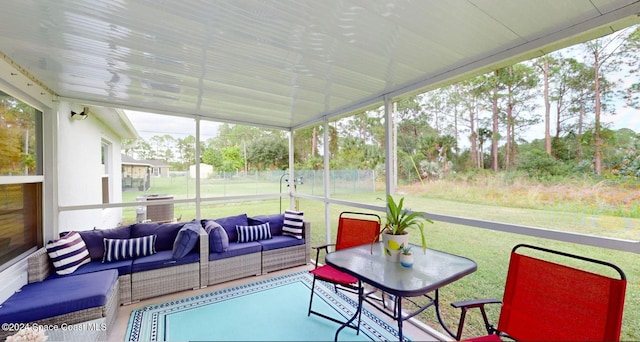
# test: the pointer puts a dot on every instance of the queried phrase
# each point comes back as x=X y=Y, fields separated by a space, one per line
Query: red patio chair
x=547 y=301
x=354 y=229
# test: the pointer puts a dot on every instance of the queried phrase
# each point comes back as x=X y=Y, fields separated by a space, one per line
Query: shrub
x=539 y=165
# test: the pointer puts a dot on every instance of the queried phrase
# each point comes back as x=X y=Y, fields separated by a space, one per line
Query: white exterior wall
x=80 y=171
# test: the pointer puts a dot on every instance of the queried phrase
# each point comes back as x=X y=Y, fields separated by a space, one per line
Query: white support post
x=292 y=180
x=198 y=151
x=327 y=180
x=389 y=148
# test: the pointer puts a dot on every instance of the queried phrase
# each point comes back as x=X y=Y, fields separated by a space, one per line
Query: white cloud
x=625 y=117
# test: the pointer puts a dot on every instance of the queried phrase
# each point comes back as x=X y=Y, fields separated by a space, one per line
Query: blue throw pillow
x=122 y=249
x=166 y=233
x=186 y=239
x=293 y=224
x=230 y=222
x=253 y=233
x=275 y=222
x=95 y=239
x=218 y=238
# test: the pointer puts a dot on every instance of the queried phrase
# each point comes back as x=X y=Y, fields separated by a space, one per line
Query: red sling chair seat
x=354 y=229
x=548 y=301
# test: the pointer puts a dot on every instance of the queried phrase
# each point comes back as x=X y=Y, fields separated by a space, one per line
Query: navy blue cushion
x=280 y=241
x=218 y=238
x=275 y=222
x=253 y=221
x=229 y=224
x=166 y=233
x=122 y=266
x=58 y=296
x=93 y=239
x=186 y=239
x=163 y=259
x=236 y=249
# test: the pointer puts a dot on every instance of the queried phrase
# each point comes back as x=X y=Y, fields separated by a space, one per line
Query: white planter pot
x=391 y=245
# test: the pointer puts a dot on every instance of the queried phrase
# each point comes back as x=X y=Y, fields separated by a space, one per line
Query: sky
x=149 y=125
x=624 y=117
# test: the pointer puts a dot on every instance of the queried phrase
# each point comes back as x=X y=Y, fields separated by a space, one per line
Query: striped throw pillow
x=122 y=249
x=293 y=224
x=68 y=253
x=253 y=233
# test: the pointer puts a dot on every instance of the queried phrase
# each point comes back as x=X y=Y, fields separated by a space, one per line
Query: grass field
x=489 y=249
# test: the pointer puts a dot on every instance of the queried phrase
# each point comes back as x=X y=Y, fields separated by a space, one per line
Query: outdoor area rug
x=269 y=310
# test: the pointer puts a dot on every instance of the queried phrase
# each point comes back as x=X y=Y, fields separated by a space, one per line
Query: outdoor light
x=82 y=115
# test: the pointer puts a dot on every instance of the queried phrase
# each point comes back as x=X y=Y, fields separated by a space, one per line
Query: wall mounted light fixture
x=81 y=115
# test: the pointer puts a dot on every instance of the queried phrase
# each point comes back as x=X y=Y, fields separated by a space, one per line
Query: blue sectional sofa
x=187 y=255
x=93 y=291
x=152 y=275
x=243 y=259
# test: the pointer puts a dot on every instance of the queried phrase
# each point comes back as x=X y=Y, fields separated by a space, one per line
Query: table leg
x=356 y=314
x=399 y=305
x=442 y=323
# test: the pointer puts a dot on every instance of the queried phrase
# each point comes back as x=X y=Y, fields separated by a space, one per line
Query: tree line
x=18 y=132
x=478 y=123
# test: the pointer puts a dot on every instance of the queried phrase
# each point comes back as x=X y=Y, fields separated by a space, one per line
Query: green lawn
x=489 y=249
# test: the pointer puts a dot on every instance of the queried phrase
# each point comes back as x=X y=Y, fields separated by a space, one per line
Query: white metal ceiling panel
x=548 y=14
x=279 y=63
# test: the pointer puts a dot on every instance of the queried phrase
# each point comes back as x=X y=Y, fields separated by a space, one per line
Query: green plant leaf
x=400 y=219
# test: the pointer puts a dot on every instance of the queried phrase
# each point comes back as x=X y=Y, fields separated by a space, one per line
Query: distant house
x=136 y=174
x=159 y=168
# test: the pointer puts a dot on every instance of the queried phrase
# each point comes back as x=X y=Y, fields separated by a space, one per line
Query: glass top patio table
x=431 y=270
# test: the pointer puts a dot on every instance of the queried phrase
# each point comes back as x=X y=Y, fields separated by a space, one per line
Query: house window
x=20 y=178
x=21 y=132
x=20 y=220
x=106 y=166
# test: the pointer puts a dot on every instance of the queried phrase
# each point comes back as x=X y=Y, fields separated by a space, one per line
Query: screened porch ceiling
x=285 y=63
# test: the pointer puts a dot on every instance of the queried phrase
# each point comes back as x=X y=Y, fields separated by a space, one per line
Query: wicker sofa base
x=161 y=281
x=281 y=258
x=125 y=289
x=234 y=268
x=222 y=270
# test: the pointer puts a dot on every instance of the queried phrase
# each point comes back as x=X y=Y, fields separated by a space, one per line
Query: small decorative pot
x=406 y=260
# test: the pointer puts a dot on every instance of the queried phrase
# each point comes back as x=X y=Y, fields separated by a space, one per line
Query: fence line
x=310 y=182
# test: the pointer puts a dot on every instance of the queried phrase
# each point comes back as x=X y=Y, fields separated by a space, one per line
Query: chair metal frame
x=355 y=288
x=493 y=332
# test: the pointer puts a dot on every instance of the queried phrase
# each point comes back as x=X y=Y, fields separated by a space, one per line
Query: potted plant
x=406 y=256
x=398 y=221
